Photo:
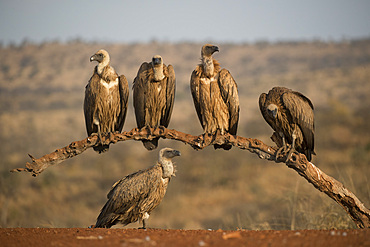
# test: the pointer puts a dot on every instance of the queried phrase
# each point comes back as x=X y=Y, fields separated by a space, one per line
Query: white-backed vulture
x=106 y=98
x=135 y=196
x=154 y=94
x=290 y=114
x=215 y=96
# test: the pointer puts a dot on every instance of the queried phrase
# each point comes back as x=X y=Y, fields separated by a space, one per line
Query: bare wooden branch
x=331 y=187
x=197 y=142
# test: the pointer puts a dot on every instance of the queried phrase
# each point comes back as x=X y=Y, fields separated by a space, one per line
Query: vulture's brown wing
x=301 y=110
x=170 y=96
x=124 y=93
x=195 y=92
x=91 y=91
x=229 y=93
x=129 y=191
x=139 y=90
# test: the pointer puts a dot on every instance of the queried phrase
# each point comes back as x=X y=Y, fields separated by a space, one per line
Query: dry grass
x=41 y=95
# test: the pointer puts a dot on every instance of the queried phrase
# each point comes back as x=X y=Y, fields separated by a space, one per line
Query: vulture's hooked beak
x=97 y=57
x=176 y=153
x=93 y=58
x=215 y=48
x=273 y=112
x=157 y=61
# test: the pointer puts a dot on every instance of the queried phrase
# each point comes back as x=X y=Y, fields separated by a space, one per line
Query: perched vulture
x=215 y=96
x=290 y=114
x=135 y=196
x=154 y=95
x=106 y=98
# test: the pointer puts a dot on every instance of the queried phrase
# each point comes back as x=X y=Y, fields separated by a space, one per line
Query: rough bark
x=333 y=188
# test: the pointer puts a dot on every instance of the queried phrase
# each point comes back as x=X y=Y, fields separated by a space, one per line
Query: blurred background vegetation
x=41 y=96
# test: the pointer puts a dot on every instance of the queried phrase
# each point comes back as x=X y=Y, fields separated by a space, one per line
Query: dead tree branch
x=333 y=188
x=197 y=142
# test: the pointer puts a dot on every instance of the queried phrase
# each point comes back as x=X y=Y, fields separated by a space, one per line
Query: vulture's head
x=208 y=50
x=168 y=153
x=157 y=60
x=100 y=56
x=272 y=110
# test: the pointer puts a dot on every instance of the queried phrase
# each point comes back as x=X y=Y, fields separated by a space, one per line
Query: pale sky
x=177 y=21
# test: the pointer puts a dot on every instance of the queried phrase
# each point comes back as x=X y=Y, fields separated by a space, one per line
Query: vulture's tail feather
x=101 y=148
x=151 y=145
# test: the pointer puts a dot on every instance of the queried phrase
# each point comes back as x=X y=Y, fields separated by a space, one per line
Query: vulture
x=215 y=96
x=290 y=115
x=154 y=94
x=106 y=98
x=135 y=196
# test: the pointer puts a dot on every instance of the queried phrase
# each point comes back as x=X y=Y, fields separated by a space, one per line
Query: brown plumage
x=291 y=115
x=215 y=95
x=154 y=94
x=135 y=196
x=106 y=98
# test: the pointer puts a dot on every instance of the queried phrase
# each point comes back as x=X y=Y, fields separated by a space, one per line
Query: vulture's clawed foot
x=144 y=223
x=108 y=136
x=284 y=151
x=289 y=155
x=111 y=137
x=162 y=128
x=99 y=138
x=149 y=130
x=279 y=153
x=94 y=134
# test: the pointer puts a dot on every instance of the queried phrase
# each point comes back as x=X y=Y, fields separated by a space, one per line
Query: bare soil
x=157 y=237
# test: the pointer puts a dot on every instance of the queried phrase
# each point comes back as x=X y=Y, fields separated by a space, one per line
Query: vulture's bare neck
x=208 y=66
x=167 y=167
x=100 y=67
x=158 y=72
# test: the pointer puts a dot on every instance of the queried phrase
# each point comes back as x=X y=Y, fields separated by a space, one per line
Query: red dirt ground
x=157 y=237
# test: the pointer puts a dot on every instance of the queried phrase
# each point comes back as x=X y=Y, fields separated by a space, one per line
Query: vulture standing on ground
x=215 y=96
x=134 y=197
x=154 y=95
x=290 y=114
x=106 y=98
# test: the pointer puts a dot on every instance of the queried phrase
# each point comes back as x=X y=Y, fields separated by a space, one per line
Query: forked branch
x=333 y=188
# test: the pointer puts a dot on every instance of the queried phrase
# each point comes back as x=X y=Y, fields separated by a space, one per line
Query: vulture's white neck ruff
x=102 y=65
x=167 y=167
x=158 y=72
x=208 y=66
